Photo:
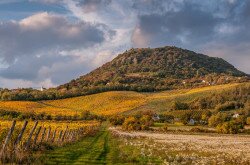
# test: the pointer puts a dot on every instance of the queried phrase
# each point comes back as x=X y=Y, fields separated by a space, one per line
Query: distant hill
x=128 y=102
x=142 y=70
x=163 y=68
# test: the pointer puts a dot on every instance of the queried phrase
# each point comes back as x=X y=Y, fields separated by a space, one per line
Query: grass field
x=91 y=150
x=103 y=148
x=112 y=146
x=114 y=102
x=98 y=149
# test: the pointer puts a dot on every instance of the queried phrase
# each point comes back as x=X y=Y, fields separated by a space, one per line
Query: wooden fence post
x=37 y=133
x=74 y=135
x=30 y=135
x=19 y=138
x=43 y=134
x=54 y=136
x=8 y=137
x=47 y=138
x=63 y=136
x=78 y=134
x=68 y=135
x=60 y=135
x=81 y=131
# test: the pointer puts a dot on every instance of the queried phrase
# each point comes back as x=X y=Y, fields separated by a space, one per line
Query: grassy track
x=91 y=150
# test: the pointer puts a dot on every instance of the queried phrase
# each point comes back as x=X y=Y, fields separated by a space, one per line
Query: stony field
x=172 y=148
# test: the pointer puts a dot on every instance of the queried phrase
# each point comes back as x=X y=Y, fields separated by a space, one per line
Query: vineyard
x=34 y=107
x=57 y=128
x=107 y=103
x=20 y=138
x=110 y=103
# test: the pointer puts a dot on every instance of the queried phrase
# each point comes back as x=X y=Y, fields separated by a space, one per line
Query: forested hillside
x=142 y=70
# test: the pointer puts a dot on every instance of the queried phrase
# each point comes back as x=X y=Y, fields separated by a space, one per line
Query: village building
x=236 y=115
x=156 y=117
x=191 y=122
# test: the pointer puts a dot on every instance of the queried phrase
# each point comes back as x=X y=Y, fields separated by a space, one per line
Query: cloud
x=42 y=32
x=217 y=28
x=93 y=5
x=33 y=45
x=188 y=24
x=53 y=48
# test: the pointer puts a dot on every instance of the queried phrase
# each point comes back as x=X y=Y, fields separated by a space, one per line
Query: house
x=203 y=81
x=236 y=115
x=156 y=117
x=191 y=122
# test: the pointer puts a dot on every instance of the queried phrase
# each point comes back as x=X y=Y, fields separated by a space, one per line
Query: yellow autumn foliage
x=34 y=107
x=110 y=103
x=107 y=103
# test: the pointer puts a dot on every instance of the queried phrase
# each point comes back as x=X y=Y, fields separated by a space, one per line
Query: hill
x=163 y=68
x=141 y=70
x=117 y=102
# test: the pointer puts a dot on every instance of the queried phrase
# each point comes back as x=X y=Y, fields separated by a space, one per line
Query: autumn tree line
x=227 y=112
x=74 y=89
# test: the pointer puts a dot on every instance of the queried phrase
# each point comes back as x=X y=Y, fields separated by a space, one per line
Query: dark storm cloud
x=190 y=23
x=205 y=26
x=185 y=24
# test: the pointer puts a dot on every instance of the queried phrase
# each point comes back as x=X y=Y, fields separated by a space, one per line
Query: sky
x=49 y=42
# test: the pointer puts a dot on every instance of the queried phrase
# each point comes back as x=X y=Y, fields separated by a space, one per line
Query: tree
x=180 y=106
x=117 y=120
x=131 y=123
x=240 y=121
x=6 y=96
x=145 y=122
x=185 y=118
x=248 y=121
x=217 y=119
x=230 y=127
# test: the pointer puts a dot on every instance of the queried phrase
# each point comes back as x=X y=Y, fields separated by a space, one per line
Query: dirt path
x=92 y=150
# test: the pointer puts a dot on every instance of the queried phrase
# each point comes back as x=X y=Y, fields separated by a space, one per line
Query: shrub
x=215 y=120
x=241 y=121
x=117 y=120
x=131 y=123
x=145 y=122
x=229 y=105
x=165 y=127
x=135 y=123
x=185 y=118
x=166 y=118
x=248 y=121
x=180 y=106
x=228 y=127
